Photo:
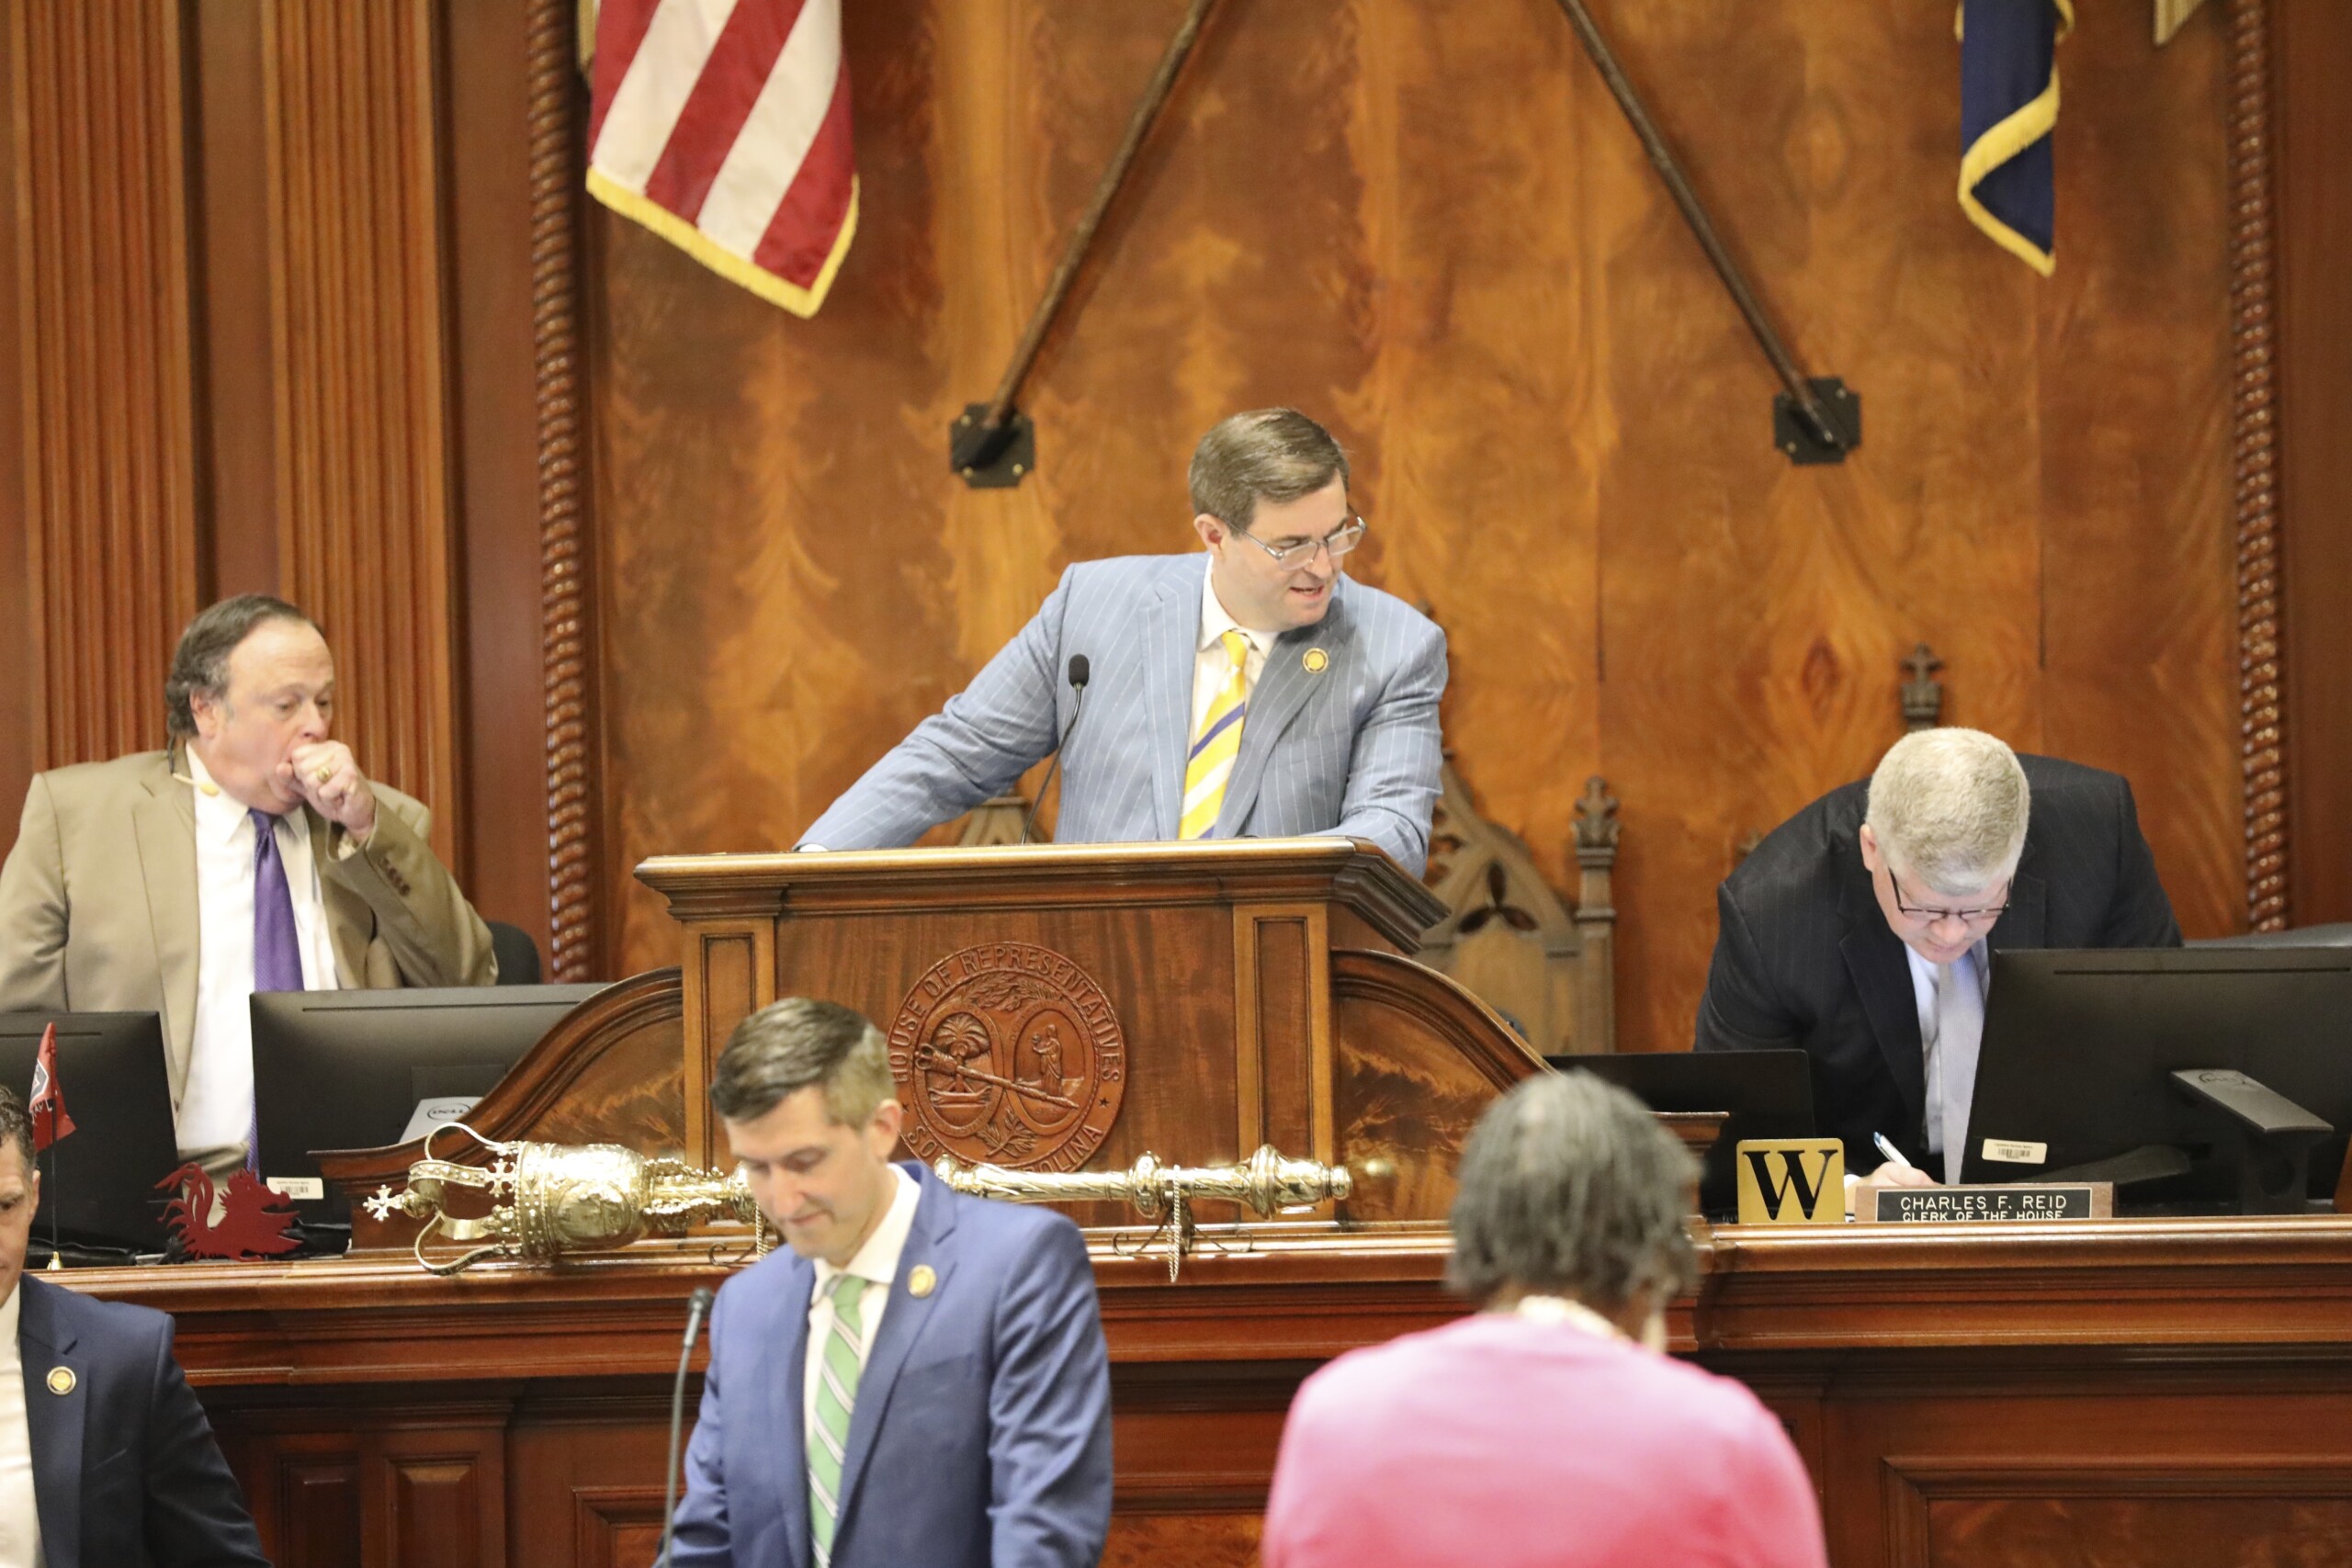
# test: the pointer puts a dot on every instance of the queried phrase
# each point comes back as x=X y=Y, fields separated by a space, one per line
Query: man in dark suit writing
x=921 y=1378
x=1859 y=928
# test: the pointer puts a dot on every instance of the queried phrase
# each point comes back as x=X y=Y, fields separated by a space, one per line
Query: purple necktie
x=277 y=952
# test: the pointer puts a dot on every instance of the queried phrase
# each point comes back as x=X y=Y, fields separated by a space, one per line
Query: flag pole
x=56 y=1201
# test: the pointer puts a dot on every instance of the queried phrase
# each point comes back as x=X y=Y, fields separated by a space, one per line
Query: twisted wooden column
x=564 y=604
x=2255 y=424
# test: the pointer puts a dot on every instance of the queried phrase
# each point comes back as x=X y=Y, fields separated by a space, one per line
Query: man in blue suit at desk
x=922 y=1378
x=105 y=1457
x=1254 y=691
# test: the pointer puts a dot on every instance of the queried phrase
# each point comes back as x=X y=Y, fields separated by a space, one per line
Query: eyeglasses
x=1970 y=917
x=1298 y=552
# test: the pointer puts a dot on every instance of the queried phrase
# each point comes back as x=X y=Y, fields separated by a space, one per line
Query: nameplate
x=1792 y=1181
x=1970 y=1206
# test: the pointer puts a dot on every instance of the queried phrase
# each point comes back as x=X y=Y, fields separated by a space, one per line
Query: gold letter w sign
x=1792 y=1181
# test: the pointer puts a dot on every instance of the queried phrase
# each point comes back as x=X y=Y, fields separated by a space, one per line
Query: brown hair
x=790 y=1045
x=1277 y=455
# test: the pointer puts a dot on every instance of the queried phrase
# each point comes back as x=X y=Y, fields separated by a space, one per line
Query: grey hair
x=17 y=1127
x=1570 y=1186
x=786 y=1046
x=1949 y=806
x=1277 y=455
x=201 y=662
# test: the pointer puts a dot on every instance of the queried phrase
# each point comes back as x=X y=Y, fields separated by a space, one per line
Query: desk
x=2161 y=1392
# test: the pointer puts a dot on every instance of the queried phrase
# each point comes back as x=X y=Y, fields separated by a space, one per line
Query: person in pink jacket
x=1549 y=1428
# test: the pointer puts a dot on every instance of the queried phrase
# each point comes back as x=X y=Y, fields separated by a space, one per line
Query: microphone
x=1078 y=675
x=697 y=1308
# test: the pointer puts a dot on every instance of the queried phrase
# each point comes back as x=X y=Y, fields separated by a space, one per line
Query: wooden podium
x=1056 y=1008
x=1053 y=1008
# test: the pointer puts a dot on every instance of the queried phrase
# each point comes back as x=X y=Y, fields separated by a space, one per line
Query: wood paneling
x=2310 y=56
x=568 y=668
x=498 y=207
x=1430 y=227
x=303 y=293
x=105 y=385
x=357 y=333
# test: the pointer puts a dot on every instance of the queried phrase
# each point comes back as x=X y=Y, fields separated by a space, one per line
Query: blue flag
x=2008 y=106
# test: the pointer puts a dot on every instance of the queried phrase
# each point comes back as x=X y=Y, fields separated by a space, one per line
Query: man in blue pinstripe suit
x=1330 y=687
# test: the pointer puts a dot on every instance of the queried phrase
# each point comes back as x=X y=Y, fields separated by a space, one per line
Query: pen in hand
x=1893 y=1156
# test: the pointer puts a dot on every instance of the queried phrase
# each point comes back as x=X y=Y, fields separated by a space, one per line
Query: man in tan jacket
x=251 y=855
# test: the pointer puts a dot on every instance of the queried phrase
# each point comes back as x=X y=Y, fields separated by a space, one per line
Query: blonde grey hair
x=790 y=1045
x=1948 y=806
x=1277 y=455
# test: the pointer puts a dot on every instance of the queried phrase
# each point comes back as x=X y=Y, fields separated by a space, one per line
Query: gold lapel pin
x=60 y=1380
x=1316 y=660
x=922 y=1281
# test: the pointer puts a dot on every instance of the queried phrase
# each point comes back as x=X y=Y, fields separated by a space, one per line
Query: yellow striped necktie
x=1216 y=745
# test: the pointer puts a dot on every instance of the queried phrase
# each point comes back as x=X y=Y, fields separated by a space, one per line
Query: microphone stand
x=1079 y=673
x=697 y=1306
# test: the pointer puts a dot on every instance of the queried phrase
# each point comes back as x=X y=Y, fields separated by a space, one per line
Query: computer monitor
x=350 y=1069
x=1767 y=1094
x=2079 y=1048
x=99 y=1180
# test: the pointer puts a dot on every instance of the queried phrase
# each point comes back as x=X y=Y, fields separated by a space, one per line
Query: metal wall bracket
x=991 y=457
x=1793 y=433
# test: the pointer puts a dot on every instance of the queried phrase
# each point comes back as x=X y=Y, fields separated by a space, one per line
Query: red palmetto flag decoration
x=47 y=1101
x=723 y=126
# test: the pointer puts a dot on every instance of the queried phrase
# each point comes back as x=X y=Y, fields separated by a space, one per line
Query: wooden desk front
x=2153 y=1393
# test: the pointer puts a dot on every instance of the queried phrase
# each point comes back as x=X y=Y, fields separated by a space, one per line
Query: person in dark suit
x=921 y=1378
x=1859 y=929
x=105 y=1457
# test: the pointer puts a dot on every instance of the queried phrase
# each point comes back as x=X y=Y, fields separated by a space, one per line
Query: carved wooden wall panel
x=357 y=333
x=1429 y=225
x=106 y=384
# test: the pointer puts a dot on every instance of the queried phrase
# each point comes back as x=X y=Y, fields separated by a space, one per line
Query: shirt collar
x=878 y=1261
x=1216 y=620
x=10 y=1311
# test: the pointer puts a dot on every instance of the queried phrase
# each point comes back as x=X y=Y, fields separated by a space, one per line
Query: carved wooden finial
x=1597 y=824
x=1923 y=694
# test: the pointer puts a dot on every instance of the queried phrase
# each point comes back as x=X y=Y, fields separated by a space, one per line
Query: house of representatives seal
x=1008 y=1053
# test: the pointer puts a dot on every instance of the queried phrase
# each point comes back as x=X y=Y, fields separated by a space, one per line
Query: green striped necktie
x=837 y=1371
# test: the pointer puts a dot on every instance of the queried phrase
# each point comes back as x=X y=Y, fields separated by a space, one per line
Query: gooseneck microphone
x=1078 y=675
x=697 y=1308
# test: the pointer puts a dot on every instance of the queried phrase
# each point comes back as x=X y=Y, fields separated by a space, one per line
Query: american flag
x=723 y=126
x=47 y=1101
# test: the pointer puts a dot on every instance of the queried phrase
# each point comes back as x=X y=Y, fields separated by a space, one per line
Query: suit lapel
x=165 y=825
x=1282 y=689
x=1172 y=632
x=349 y=920
x=53 y=1422
x=928 y=1241
x=787 y=1385
x=1882 y=975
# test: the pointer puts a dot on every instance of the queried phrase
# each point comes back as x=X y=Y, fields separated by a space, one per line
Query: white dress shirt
x=217 y=1104
x=1968 y=967
x=875 y=1262
x=1210 y=668
x=19 y=1507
